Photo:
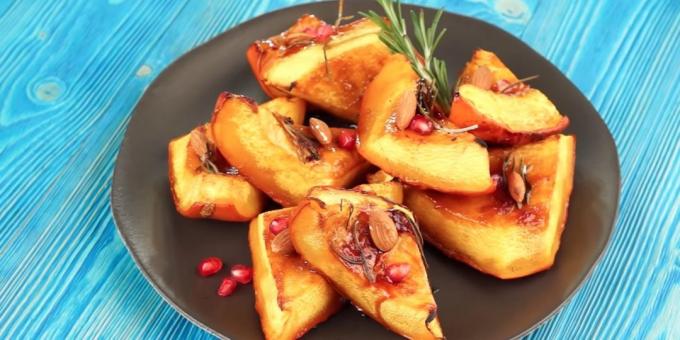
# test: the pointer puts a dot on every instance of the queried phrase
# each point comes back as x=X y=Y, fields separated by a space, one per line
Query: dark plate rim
x=117 y=209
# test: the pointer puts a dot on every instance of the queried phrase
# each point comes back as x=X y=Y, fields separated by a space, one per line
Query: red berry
x=499 y=85
x=242 y=273
x=347 y=139
x=497 y=180
x=397 y=272
x=227 y=286
x=321 y=33
x=209 y=266
x=421 y=125
x=277 y=225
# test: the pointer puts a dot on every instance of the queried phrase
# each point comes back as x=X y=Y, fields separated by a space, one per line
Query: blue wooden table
x=72 y=71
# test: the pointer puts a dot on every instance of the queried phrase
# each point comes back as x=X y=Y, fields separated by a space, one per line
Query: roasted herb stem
x=518 y=82
x=394 y=35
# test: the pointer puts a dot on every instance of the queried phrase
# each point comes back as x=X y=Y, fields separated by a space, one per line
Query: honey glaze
x=303 y=33
x=499 y=208
x=349 y=236
x=288 y=267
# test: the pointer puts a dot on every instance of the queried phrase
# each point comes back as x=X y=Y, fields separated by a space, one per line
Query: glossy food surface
x=167 y=246
x=331 y=75
x=198 y=193
x=438 y=160
x=506 y=110
x=491 y=232
x=256 y=141
x=404 y=308
x=289 y=296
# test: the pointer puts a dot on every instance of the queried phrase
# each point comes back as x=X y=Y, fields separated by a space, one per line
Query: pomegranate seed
x=278 y=224
x=321 y=33
x=242 y=273
x=499 y=85
x=347 y=139
x=397 y=272
x=209 y=266
x=227 y=286
x=421 y=124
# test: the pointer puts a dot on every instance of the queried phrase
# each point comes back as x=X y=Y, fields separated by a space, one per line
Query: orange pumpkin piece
x=289 y=296
x=384 y=185
x=491 y=232
x=277 y=156
x=329 y=68
x=291 y=107
x=210 y=188
x=506 y=110
x=439 y=161
x=390 y=286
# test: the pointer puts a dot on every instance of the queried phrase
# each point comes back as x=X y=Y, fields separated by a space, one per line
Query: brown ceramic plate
x=167 y=247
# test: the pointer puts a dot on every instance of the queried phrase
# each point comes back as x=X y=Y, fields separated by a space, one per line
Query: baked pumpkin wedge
x=439 y=160
x=384 y=185
x=514 y=231
x=370 y=249
x=289 y=296
x=203 y=184
x=327 y=66
x=505 y=109
x=282 y=159
x=291 y=107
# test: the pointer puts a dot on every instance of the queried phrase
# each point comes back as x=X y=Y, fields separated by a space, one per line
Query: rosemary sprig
x=340 y=18
x=518 y=82
x=394 y=35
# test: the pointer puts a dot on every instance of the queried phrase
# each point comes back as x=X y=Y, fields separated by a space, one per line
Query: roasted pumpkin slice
x=327 y=66
x=277 y=156
x=289 y=296
x=370 y=249
x=384 y=185
x=293 y=108
x=204 y=185
x=505 y=109
x=514 y=231
x=441 y=161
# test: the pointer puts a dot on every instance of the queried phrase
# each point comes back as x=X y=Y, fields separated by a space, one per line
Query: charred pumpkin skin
x=436 y=161
x=539 y=117
x=251 y=139
x=355 y=55
x=200 y=194
x=489 y=232
x=289 y=296
x=402 y=308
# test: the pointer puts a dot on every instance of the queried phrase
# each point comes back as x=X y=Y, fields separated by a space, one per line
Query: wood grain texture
x=72 y=72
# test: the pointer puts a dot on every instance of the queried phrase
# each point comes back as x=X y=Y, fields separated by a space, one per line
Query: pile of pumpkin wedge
x=358 y=201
